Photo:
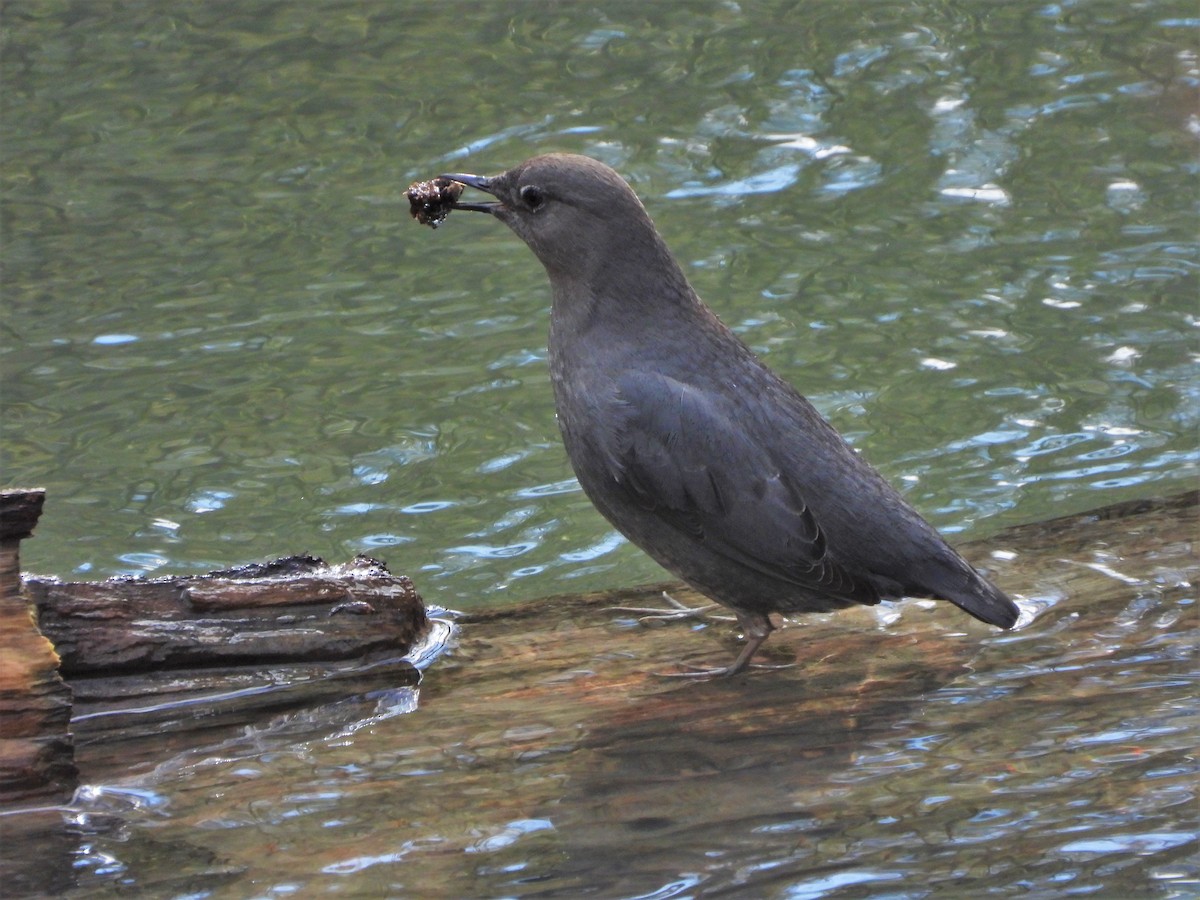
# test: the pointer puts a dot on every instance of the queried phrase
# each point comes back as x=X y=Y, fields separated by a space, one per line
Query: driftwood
x=146 y=657
x=35 y=704
x=153 y=667
x=293 y=610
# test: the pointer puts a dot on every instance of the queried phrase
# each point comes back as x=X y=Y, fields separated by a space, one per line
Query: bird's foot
x=757 y=628
x=677 y=612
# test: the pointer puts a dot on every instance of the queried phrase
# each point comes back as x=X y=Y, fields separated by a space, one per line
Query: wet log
x=550 y=711
x=531 y=658
x=35 y=703
x=293 y=610
x=145 y=656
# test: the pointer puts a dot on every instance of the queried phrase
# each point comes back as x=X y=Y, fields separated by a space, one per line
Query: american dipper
x=692 y=447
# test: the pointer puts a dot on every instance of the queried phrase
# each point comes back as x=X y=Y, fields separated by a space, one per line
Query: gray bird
x=688 y=444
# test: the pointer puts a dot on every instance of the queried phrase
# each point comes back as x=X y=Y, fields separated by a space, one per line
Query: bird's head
x=569 y=209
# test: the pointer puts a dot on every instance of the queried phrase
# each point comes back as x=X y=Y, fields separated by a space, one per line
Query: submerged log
x=538 y=659
x=549 y=714
x=35 y=704
x=550 y=711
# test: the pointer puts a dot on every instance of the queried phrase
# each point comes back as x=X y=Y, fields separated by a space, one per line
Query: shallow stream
x=966 y=230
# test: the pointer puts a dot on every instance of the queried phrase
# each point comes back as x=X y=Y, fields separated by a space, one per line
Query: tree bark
x=36 y=753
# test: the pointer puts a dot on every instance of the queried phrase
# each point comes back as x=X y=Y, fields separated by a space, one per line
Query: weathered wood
x=20 y=510
x=295 y=610
x=35 y=704
x=147 y=656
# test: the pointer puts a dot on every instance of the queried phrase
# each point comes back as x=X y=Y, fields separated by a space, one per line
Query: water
x=906 y=754
x=966 y=231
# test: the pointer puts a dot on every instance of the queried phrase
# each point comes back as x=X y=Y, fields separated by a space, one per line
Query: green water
x=966 y=231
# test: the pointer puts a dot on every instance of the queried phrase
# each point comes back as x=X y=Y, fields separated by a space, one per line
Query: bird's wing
x=677 y=453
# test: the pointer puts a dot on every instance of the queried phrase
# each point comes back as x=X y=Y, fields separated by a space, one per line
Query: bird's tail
x=985 y=601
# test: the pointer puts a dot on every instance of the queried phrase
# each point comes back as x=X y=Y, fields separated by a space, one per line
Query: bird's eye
x=532 y=196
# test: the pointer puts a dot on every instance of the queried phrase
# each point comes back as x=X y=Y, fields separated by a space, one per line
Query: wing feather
x=681 y=456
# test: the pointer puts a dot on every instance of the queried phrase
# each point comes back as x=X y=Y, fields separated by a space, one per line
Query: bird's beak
x=479 y=182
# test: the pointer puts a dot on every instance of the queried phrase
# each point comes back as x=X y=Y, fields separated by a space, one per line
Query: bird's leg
x=677 y=611
x=757 y=628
